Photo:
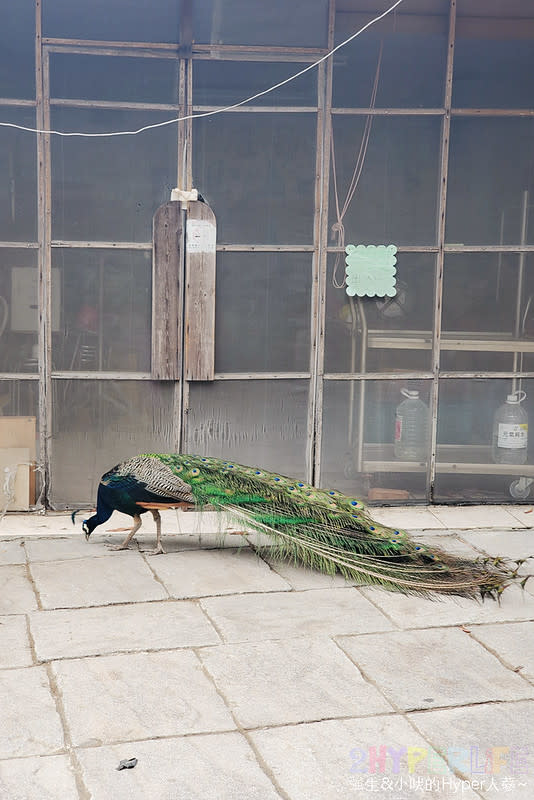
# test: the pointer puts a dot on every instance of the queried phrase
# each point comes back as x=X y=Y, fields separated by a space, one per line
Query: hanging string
x=338 y=228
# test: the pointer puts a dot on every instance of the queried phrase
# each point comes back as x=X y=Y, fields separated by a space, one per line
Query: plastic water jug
x=510 y=431
x=412 y=428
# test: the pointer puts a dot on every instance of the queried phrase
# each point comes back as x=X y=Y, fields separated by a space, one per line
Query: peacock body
x=323 y=529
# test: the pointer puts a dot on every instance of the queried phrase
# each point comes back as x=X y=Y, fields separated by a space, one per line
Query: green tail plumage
x=322 y=529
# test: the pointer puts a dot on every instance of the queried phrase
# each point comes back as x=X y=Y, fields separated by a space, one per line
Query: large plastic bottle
x=412 y=428
x=510 y=431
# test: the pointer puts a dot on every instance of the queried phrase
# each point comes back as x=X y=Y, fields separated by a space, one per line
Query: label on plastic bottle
x=512 y=436
x=398 y=429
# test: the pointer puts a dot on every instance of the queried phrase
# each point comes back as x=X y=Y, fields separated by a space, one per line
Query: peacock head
x=88 y=525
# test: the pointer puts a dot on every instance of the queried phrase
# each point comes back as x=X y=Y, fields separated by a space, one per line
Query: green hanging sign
x=371 y=270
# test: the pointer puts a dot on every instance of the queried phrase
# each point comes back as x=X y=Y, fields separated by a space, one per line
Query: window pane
x=399 y=329
x=18 y=187
x=19 y=320
x=99 y=423
x=140 y=80
x=491 y=166
x=17 y=49
x=221 y=83
x=302 y=23
x=466 y=467
x=108 y=189
x=105 y=301
x=483 y=314
x=120 y=20
x=494 y=56
x=258 y=423
x=396 y=196
x=263 y=312
x=257 y=172
x=411 y=73
x=343 y=439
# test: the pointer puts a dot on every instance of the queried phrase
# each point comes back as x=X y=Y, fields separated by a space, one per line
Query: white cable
x=218 y=110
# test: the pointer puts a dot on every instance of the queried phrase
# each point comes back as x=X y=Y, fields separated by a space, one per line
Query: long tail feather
x=331 y=532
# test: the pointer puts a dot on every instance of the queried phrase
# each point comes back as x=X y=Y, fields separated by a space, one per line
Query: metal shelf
x=451 y=459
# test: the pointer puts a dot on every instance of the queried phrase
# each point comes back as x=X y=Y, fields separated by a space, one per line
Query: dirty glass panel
x=19 y=319
x=263 y=312
x=221 y=83
x=301 y=23
x=396 y=195
x=381 y=334
x=104 y=310
x=259 y=423
x=120 y=20
x=19 y=445
x=17 y=49
x=140 y=80
x=491 y=182
x=358 y=455
x=99 y=423
x=257 y=172
x=18 y=187
x=107 y=189
x=494 y=56
x=467 y=467
x=406 y=52
x=488 y=303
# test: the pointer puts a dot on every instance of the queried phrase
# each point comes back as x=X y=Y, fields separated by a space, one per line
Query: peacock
x=322 y=529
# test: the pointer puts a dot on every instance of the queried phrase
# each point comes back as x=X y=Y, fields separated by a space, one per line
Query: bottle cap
x=411 y=394
x=516 y=397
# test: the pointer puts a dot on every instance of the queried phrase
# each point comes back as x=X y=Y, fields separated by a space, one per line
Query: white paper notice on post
x=201 y=236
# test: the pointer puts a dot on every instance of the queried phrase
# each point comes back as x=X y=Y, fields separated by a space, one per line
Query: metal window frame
x=187 y=52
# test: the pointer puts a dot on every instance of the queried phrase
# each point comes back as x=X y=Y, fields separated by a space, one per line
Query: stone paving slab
x=12 y=552
x=214 y=767
x=272 y=683
x=108 y=629
x=16 y=593
x=495 y=725
x=512 y=544
x=407 y=518
x=463 y=517
x=30 y=722
x=288 y=614
x=38 y=778
x=430 y=668
x=122 y=577
x=302 y=578
x=314 y=761
x=66 y=547
x=449 y=543
x=408 y=611
x=216 y=572
x=14 y=643
x=514 y=643
x=137 y=696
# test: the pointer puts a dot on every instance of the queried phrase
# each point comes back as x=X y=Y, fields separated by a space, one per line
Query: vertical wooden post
x=45 y=267
x=167 y=292
x=200 y=258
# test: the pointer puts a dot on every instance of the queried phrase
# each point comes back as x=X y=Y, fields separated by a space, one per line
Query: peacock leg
x=126 y=542
x=159 y=548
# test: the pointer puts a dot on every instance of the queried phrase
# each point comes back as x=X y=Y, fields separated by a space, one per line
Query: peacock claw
x=117 y=547
x=156 y=552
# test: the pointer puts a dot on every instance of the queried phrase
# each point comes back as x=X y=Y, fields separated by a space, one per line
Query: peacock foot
x=156 y=552
x=118 y=547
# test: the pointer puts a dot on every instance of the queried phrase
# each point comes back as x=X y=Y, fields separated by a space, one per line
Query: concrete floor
x=234 y=677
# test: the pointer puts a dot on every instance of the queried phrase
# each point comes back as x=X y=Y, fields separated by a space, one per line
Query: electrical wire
x=215 y=111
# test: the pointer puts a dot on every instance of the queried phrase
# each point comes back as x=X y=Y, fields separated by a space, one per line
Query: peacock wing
x=148 y=474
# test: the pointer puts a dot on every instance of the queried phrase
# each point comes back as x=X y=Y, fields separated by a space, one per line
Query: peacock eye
x=195 y=471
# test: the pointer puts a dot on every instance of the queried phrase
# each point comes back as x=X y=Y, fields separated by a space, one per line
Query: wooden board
x=14 y=493
x=18 y=432
x=167 y=282
x=199 y=338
